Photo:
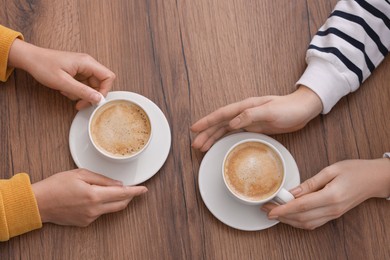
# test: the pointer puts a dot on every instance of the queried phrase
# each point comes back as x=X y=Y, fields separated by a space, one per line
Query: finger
x=78 y=89
x=309 y=225
x=267 y=207
x=315 y=183
x=307 y=220
x=81 y=104
x=203 y=136
x=225 y=113
x=110 y=194
x=89 y=67
x=94 y=83
x=212 y=139
x=312 y=214
x=230 y=113
x=313 y=218
x=106 y=85
x=114 y=206
x=303 y=204
x=212 y=119
x=97 y=179
x=250 y=116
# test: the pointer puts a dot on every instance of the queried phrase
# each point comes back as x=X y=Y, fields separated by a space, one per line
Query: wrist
x=381 y=171
x=39 y=197
x=21 y=55
x=309 y=100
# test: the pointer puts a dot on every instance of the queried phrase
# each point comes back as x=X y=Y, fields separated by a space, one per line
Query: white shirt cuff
x=326 y=81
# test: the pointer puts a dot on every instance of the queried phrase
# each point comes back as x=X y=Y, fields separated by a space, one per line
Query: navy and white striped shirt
x=347 y=48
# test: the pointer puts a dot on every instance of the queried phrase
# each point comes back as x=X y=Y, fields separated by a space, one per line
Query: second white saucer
x=216 y=197
x=133 y=172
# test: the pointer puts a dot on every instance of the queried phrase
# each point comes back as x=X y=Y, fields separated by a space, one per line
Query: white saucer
x=219 y=201
x=130 y=173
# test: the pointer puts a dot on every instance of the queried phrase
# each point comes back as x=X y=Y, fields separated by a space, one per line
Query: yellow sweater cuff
x=7 y=37
x=19 y=211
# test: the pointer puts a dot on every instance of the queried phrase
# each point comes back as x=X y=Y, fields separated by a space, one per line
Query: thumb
x=255 y=111
x=313 y=184
x=252 y=108
x=248 y=117
x=84 y=92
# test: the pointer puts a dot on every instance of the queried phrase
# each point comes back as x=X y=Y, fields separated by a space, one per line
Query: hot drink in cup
x=120 y=129
x=254 y=172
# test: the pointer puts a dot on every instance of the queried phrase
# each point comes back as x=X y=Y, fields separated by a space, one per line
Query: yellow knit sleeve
x=7 y=37
x=18 y=207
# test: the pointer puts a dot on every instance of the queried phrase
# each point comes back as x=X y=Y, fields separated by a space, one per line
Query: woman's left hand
x=332 y=192
x=76 y=75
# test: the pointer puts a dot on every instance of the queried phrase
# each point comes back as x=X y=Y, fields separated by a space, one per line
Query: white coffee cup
x=254 y=172
x=119 y=129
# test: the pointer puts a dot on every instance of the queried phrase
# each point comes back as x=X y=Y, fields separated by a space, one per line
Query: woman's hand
x=332 y=192
x=268 y=114
x=75 y=75
x=78 y=197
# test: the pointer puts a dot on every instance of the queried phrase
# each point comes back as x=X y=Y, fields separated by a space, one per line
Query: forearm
x=347 y=48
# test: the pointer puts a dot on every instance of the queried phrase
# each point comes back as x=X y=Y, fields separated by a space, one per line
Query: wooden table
x=189 y=57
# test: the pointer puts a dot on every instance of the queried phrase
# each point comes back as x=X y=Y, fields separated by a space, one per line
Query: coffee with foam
x=253 y=171
x=120 y=128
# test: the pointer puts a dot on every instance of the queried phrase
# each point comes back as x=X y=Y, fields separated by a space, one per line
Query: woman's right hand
x=78 y=197
x=267 y=114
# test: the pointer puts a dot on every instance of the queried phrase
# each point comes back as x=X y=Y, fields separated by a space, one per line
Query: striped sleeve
x=347 y=48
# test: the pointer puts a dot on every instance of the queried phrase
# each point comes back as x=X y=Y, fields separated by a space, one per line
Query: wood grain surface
x=189 y=57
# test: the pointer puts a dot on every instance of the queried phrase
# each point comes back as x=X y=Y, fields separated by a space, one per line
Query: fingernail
x=235 y=122
x=296 y=191
x=272 y=217
x=96 y=97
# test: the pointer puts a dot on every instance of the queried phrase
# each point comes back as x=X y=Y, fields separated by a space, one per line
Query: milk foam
x=253 y=171
x=121 y=128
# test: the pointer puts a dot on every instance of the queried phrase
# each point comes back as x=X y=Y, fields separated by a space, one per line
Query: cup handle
x=283 y=196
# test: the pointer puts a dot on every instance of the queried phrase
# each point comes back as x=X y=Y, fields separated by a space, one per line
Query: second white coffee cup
x=254 y=173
